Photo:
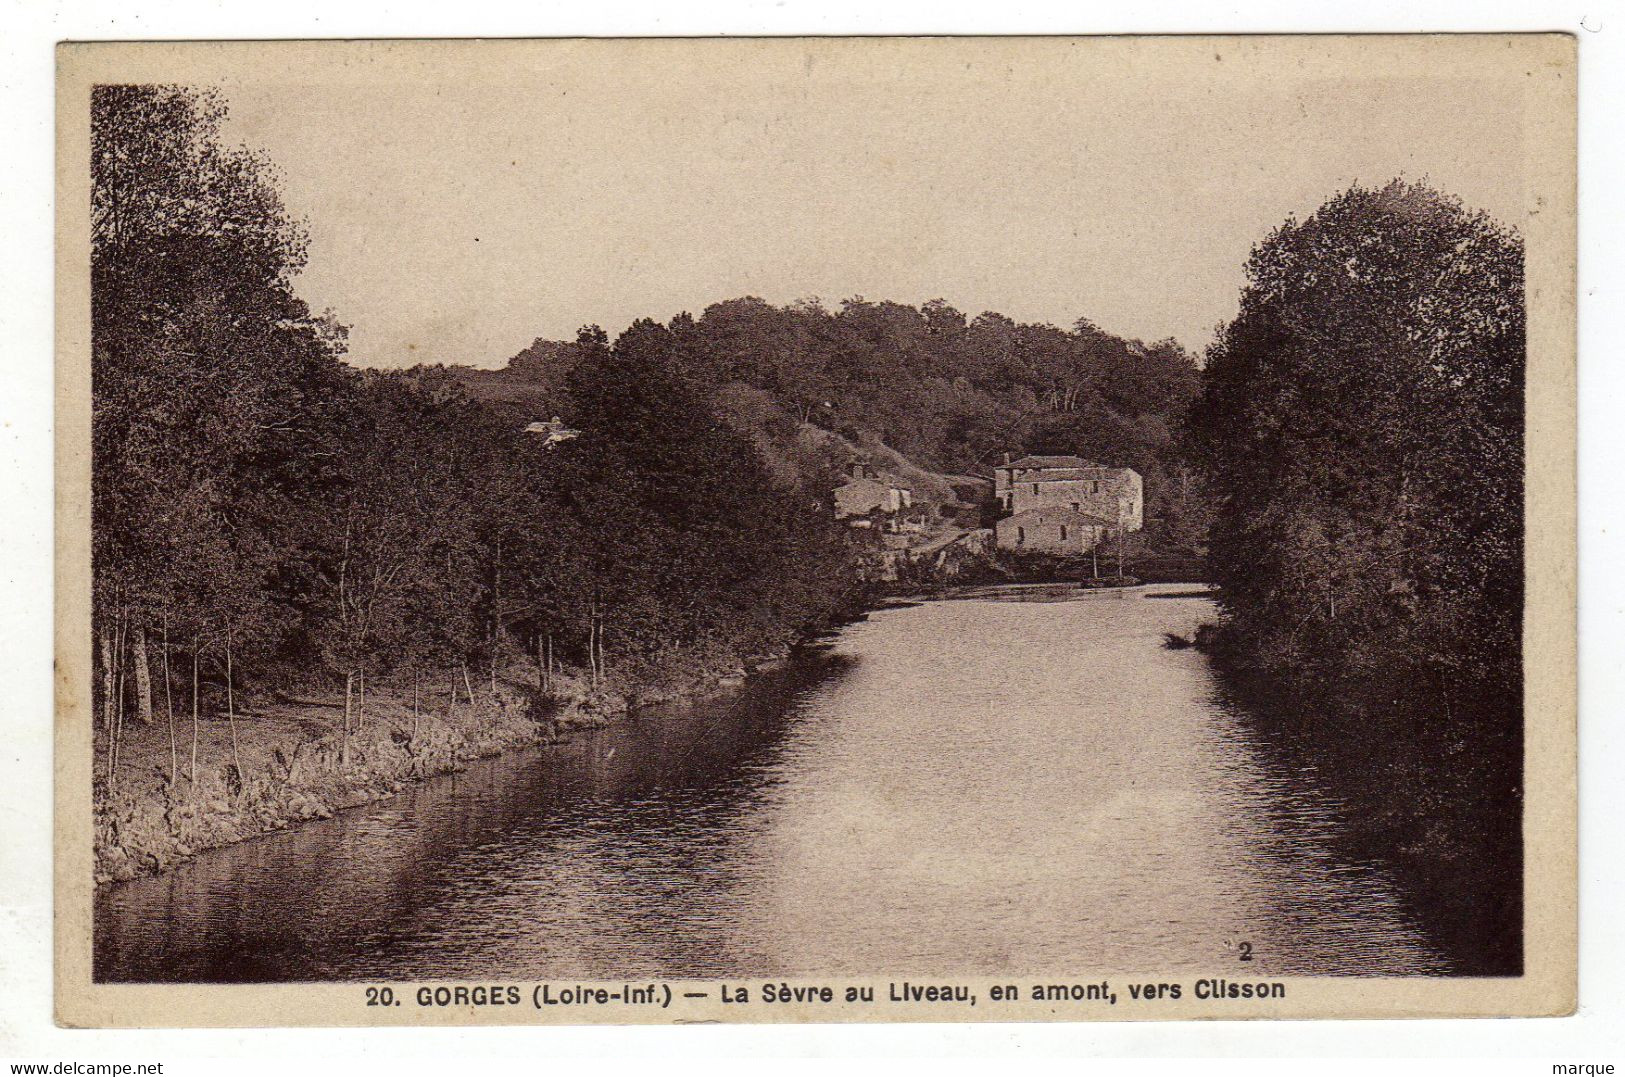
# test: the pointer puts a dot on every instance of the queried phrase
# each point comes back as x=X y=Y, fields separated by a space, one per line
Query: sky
x=462 y=204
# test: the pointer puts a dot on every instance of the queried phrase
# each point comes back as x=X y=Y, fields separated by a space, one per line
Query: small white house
x=554 y=431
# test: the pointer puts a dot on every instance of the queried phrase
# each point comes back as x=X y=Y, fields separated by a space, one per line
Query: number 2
x=1246 y=951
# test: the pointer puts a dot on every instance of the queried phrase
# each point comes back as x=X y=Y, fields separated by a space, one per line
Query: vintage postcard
x=869 y=529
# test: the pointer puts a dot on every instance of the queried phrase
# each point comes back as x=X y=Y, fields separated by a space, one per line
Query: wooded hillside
x=949 y=392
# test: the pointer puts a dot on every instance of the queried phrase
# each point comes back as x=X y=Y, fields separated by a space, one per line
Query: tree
x=213 y=387
x=1361 y=430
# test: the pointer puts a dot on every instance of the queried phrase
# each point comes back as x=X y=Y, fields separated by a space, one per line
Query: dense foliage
x=1362 y=429
x=262 y=508
x=951 y=393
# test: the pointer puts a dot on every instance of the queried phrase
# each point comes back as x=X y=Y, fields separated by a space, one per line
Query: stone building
x=1114 y=494
x=867 y=496
x=1064 y=504
x=1052 y=529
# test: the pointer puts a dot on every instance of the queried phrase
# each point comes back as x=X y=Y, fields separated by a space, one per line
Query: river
x=955 y=787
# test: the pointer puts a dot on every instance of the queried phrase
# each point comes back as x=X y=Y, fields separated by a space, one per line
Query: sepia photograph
x=815 y=529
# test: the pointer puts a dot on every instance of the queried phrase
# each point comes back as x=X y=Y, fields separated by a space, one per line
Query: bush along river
x=971 y=786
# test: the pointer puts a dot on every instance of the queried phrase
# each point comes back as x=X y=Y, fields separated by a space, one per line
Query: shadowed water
x=961 y=787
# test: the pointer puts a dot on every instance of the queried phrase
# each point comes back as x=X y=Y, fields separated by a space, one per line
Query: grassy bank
x=295 y=766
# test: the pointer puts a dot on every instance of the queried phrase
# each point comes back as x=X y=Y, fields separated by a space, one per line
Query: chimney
x=1007 y=457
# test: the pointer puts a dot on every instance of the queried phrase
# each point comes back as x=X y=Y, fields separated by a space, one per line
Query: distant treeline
x=263 y=511
x=952 y=393
x=1361 y=430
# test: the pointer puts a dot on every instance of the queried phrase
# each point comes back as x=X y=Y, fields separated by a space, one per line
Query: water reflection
x=955 y=787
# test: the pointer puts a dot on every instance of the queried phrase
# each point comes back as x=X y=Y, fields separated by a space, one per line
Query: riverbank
x=862 y=776
x=1037 y=591
x=164 y=809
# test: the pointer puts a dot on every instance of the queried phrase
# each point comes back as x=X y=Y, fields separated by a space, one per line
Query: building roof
x=1056 y=514
x=877 y=485
x=1046 y=462
x=884 y=482
x=1073 y=474
x=554 y=429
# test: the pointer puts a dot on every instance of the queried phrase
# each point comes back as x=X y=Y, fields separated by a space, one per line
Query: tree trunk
x=231 y=718
x=118 y=708
x=109 y=681
x=169 y=708
x=361 y=699
x=468 y=685
x=192 y=780
x=344 y=740
x=414 y=705
x=496 y=616
x=594 y=643
x=143 y=677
